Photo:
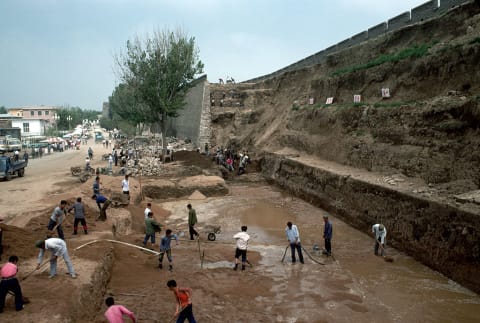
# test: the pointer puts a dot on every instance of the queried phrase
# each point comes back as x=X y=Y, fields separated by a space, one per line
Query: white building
x=31 y=127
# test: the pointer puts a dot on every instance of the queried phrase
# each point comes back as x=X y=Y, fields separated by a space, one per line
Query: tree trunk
x=164 y=132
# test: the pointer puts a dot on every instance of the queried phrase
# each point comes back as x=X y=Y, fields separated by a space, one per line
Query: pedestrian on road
x=115 y=157
x=79 y=209
x=380 y=233
x=115 y=313
x=192 y=220
x=242 y=244
x=166 y=248
x=183 y=295
x=126 y=187
x=148 y=209
x=327 y=235
x=56 y=219
x=100 y=199
x=293 y=237
x=58 y=248
x=10 y=283
x=151 y=226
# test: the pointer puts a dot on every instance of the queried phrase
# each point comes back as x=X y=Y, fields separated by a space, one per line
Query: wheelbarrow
x=212 y=231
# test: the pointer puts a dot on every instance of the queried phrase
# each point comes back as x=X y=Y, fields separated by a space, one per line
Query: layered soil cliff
x=426 y=133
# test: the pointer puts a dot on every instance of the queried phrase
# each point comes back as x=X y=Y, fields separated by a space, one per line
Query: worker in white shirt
x=293 y=237
x=242 y=244
x=58 y=248
x=126 y=186
x=148 y=209
x=380 y=233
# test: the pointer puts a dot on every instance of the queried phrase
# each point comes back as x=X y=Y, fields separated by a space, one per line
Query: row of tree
x=155 y=74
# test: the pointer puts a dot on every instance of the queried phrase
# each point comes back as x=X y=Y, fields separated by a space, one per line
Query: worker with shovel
x=380 y=233
x=58 y=247
x=102 y=203
x=183 y=296
x=10 y=283
x=56 y=219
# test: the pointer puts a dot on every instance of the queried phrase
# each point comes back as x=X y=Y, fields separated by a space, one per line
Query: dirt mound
x=193 y=158
x=197 y=195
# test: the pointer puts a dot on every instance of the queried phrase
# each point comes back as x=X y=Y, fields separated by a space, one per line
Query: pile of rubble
x=149 y=160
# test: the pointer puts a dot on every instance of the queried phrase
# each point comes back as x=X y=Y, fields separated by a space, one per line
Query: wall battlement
x=428 y=10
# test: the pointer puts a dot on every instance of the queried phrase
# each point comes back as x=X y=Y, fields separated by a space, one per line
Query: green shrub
x=415 y=52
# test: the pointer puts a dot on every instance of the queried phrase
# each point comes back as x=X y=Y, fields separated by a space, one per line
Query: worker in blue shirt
x=100 y=199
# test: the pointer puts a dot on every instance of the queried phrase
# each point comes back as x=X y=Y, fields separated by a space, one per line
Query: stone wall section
x=399 y=21
x=428 y=10
x=187 y=124
x=424 y=11
x=204 y=135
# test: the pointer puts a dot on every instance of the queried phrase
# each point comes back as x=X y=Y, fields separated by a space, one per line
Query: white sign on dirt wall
x=357 y=98
x=385 y=93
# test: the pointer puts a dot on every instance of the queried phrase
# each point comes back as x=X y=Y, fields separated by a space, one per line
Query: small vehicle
x=10 y=166
x=8 y=144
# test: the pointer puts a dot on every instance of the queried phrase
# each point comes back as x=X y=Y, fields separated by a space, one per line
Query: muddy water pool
x=355 y=286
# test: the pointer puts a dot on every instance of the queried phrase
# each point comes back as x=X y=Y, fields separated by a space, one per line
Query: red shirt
x=183 y=296
x=8 y=270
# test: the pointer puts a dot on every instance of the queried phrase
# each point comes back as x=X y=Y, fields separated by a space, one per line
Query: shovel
x=385 y=257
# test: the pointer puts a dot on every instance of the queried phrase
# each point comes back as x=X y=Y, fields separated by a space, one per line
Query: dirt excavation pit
x=355 y=285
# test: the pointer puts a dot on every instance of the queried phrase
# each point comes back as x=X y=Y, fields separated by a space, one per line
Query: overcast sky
x=60 y=52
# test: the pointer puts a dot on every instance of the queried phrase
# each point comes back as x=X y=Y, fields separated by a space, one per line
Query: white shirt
x=55 y=245
x=242 y=240
x=292 y=234
x=125 y=186
x=379 y=234
x=147 y=210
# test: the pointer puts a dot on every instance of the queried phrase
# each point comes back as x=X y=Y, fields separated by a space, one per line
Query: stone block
x=377 y=30
x=424 y=11
x=446 y=5
x=399 y=21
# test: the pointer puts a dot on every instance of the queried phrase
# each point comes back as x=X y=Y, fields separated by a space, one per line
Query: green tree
x=160 y=70
x=124 y=104
x=3 y=110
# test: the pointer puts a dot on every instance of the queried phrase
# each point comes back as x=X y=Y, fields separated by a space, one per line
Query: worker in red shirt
x=183 y=295
x=9 y=282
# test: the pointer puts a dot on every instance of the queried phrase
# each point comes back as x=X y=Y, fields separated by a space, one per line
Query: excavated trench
x=441 y=235
x=356 y=285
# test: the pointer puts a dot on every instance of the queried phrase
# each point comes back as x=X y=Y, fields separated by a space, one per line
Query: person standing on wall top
x=293 y=237
x=380 y=233
x=327 y=235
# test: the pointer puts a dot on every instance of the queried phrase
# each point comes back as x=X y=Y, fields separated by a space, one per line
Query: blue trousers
x=186 y=314
x=297 y=246
x=51 y=225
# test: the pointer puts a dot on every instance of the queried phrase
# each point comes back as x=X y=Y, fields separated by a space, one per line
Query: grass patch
x=474 y=41
x=414 y=52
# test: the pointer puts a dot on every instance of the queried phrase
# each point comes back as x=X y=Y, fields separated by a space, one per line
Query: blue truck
x=10 y=166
